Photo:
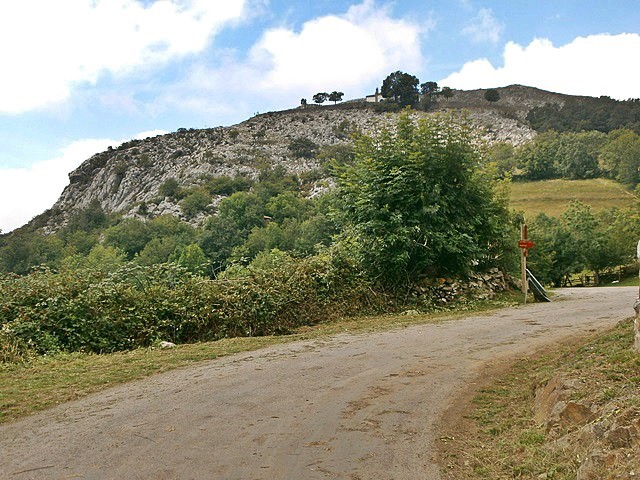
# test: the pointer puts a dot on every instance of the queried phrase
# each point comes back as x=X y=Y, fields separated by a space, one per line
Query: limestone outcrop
x=124 y=177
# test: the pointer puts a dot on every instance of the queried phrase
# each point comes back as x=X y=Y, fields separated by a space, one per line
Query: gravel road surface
x=354 y=407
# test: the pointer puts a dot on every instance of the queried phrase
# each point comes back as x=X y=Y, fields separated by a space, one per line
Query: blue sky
x=79 y=75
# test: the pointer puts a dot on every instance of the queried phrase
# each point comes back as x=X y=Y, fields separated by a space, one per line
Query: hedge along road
x=348 y=407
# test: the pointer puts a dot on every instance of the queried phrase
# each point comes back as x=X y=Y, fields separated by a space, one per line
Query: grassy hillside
x=553 y=196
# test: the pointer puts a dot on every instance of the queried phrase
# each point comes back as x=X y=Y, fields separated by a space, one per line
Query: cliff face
x=124 y=177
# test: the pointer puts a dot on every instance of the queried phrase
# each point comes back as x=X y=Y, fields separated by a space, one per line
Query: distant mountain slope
x=123 y=178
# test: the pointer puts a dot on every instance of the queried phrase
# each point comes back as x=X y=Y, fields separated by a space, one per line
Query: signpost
x=636 y=307
x=525 y=244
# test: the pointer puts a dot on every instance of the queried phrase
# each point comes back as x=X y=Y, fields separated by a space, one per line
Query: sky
x=81 y=75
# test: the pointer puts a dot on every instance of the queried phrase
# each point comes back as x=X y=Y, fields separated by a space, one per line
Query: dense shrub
x=419 y=204
x=135 y=306
x=196 y=200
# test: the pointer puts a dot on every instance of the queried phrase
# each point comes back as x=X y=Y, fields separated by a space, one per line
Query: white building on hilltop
x=375 y=98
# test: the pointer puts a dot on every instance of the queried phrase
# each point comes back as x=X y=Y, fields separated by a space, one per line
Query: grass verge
x=498 y=439
x=50 y=380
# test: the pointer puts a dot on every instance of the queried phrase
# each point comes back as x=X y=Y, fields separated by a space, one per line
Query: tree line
x=572 y=156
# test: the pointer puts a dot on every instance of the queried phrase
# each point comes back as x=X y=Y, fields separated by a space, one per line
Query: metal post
x=523 y=236
x=636 y=307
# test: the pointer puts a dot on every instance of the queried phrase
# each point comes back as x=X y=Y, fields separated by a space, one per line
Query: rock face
x=607 y=440
x=125 y=177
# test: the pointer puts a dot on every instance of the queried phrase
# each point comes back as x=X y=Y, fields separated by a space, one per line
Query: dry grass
x=499 y=440
x=552 y=197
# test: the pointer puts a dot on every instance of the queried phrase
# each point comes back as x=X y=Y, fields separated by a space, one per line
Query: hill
x=128 y=179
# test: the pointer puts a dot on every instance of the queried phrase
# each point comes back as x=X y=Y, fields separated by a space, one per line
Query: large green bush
x=135 y=306
x=420 y=204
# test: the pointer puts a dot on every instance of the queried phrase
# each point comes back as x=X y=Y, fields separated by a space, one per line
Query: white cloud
x=351 y=52
x=49 y=46
x=593 y=66
x=484 y=27
x=337 y=51
x=27 y=192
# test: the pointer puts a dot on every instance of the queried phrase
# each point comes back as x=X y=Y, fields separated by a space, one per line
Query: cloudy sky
x=79 y=75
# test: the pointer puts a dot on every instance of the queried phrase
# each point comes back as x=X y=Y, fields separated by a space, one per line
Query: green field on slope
x=553 y=196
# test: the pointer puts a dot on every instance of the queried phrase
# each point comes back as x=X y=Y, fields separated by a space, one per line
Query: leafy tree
x=340 y=154
x=273 y=181
x=538 y=159
x=312 y=233
x=225 y=185
x=262 y=239
x=553 y=256
x=492 y=95
x=130 y=235
x=418 y=205
x=621 y=229
x=447 y=92
x=101 y=258
x=288 y=205
x=170 y=226
x=577 y=154
x=429 y=88
x=244 y=210
x=335 y=97
x=90 y=218
x=79 y=241
x=20 y=251
x=196 y=201
x=580 y=240
x=584 y=113
x=320 y=97
x=194 y=260
x=402 y=87
x=220 y=236
x=157 y=250
x=502 y=158
x=620 y=157
x=589 y=246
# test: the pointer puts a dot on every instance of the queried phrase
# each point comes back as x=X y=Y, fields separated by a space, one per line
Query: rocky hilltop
x=128 y=176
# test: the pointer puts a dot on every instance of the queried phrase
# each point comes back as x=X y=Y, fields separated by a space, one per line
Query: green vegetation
x=413 y=203
x=582 y=241
x=401 y=87
x=87 y=310
x=270 y=260
x=578 y=226
x=492 y=95
x=48 y=380
x=572 y=156
x=583 y=114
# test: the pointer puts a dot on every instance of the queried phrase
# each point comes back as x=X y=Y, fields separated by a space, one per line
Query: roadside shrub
x=135 y=306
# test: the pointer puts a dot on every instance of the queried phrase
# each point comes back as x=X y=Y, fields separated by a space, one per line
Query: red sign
x=526 y=244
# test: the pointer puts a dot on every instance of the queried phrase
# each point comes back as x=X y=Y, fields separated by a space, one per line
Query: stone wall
x=479 y=286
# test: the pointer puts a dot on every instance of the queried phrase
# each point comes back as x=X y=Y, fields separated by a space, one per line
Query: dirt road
x=347 y=407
